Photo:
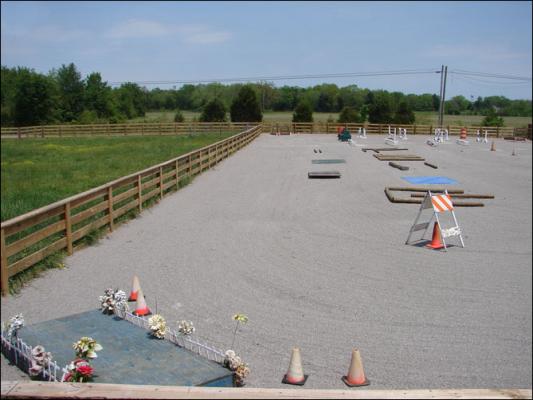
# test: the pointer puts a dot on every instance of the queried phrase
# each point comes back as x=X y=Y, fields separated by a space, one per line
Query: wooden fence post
x=177 y=172
x=18 y=132
x=42 y=131
x=139 y=194
x=4 y=277
x=160 y=182
x=110 y=207
x=497 y=132
x=431 y=129
x=414 y=129
x=107 y=130
x=190 y=166
x=68 y=227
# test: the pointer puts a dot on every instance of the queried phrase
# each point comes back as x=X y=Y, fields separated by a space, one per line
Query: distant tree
x=435 y=100
x=245 y=108
x=71 y=92
x=350 y=114
x=380 y=110
x=492 y=119
x=303 y=112
x=98 y=97
x=178 y=116
x=34 y=99
x=214 y=111
x=131 y=100
x=404 y=114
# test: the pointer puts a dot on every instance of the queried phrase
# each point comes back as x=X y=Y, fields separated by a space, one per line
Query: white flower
x=186 y=327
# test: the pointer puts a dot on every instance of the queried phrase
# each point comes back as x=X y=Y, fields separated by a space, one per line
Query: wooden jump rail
x=54 y=390
x=65 y=222
x=183 y=128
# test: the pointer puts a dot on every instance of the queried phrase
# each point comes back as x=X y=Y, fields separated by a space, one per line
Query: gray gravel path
x=321 y=264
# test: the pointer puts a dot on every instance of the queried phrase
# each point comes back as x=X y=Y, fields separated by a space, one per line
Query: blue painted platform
x=129 y=355
x=429 y=180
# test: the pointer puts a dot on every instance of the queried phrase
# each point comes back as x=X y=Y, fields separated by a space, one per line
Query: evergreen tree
x=214 y=111
x=350 y=114
x=303 y=112
x=245 y=108
x=380 y=110
x=71 y=92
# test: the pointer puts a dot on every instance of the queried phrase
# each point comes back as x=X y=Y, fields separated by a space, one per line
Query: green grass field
x=37 y=172
x=422 y=118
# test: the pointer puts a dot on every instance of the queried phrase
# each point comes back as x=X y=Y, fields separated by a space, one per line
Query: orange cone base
x=289 y=382
x=142 y=312
x=133 y=296
x=435 y=246
x=345 y=380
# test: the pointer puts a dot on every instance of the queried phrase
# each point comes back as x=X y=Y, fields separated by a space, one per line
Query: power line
x=286 y=77
x=476 y=81
x=490 y=75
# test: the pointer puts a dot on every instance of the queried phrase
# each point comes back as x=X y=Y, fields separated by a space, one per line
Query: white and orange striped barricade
x=439 y=204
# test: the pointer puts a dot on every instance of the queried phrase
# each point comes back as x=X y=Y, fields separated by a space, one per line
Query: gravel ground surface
x=322 y=264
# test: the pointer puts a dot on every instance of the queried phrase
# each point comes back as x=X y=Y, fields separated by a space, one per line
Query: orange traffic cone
x=295 y=375
x=135 y=289
x=492 y=147
x=356 y=374
x=141 y=308
x=463 y=134
x=436 y=242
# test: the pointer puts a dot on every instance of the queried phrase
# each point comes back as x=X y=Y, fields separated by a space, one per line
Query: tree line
x=63 y=96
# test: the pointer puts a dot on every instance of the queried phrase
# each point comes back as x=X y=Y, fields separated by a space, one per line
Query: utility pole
x=443 y=75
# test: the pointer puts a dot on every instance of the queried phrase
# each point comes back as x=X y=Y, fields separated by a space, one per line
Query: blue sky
x=155 y=41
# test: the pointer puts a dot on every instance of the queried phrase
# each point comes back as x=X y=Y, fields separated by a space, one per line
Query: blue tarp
x=429 y=180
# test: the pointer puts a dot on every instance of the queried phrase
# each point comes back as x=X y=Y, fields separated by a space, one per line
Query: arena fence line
x=29 y=238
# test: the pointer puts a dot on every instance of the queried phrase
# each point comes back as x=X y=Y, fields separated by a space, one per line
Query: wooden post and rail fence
x=29 y=238
x=167 y=129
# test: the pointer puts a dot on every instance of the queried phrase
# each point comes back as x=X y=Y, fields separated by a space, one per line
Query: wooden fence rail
x=54 y=390
x=29 y=238
x=147 y=129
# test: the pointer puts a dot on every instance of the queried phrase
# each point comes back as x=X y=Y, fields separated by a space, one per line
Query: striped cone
x=436 y=242
x=356 y=374
x=295 y=375
x=141 y=308
x=135 y=289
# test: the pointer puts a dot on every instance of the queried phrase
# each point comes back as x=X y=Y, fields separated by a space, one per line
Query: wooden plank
x=161 y=182
x=398 y=166
x=6 y=387
x=53 y=390
x=150 y=194
x=89 y=212
x=139 y=193
x=150 y=183
x=68 y=229
x=110 y=207
x=34 y=258
x=80 y=201
x=423 y=189
x=124 y=195
x=124 y=209
x=4 y=277
x=32 y=220
x=89 y=227
x=461 y=196
x=34 y=237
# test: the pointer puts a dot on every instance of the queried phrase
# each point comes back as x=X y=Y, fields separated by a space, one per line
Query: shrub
x=404 y=114
x=214 y=111
x=178 y=117
x=303 y=112
x=350 y=114
x=492 y=119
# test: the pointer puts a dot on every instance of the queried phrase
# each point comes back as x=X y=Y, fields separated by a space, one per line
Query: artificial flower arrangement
x=235 y=364
x=86 y=348
x=186 y=327
x=158 y=326
x=113 y=300
x=39 y=360
x=79 y=370
x=15 y=323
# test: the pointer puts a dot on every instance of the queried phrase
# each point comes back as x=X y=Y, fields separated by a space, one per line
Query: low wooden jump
x=398 y=157
x=380 y=149
x=54 y=390
x=461 y=196
x=393 y=199
x=398 y=166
